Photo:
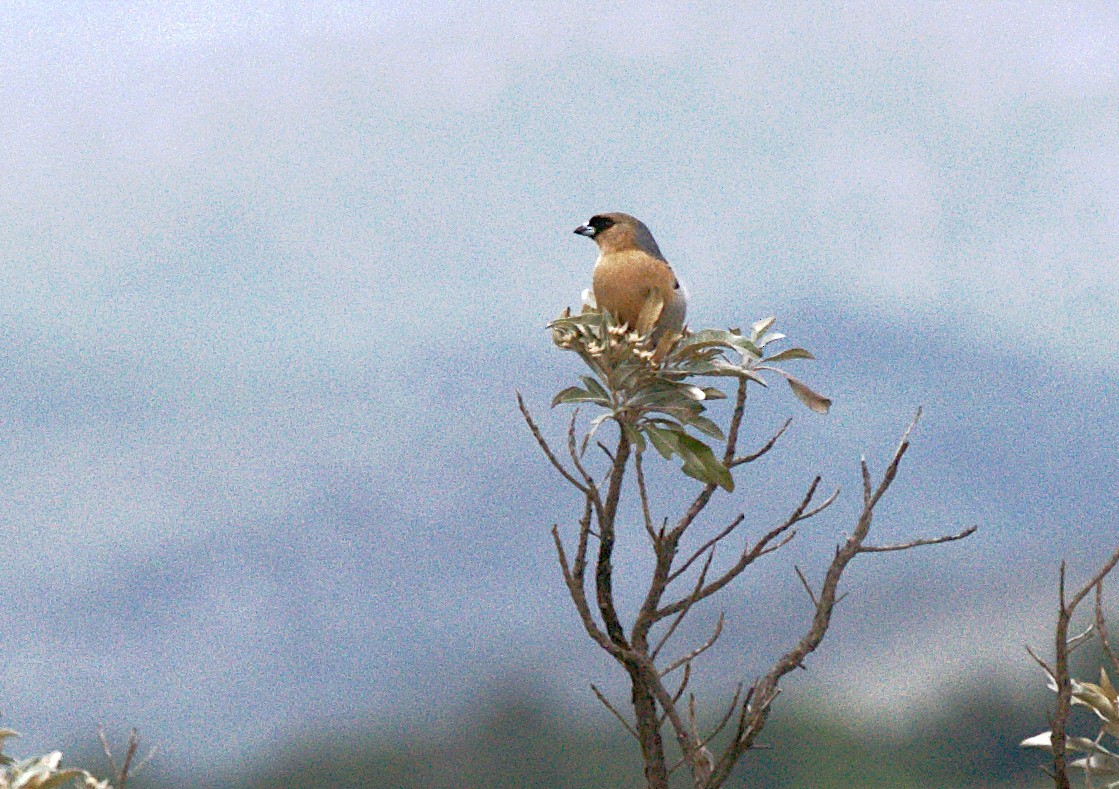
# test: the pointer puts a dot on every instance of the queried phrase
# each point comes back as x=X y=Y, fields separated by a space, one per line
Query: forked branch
x=655 y=705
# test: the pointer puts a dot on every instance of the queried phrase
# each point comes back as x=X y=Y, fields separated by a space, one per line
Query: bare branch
x=738 y=461
x=544 y=446
x=1044 y=666
x=618 y=715
x=691 y=717
x=1108 y=566
x=578 y=571
x=830 y=500
x=905 y=546
x=749 y=555
x=807 y=588
x=753 y=716
x=726 y=716
x=706 y=645
x=1101 y=630
x=689 y=746
x=704 y=496
x=604 y=569
x=683 y=610
x=129 y=754
x=107 y=749
x=679 y=692
x=683 y=683
x=126 y=769
x=735 y=423
x=564 y=567
x=575 y=453
x=643 y=492
x=1063 y=682
x=709 y=544
x=579 y=598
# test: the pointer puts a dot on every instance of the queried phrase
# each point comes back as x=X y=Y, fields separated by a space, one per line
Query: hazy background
x=270 y=273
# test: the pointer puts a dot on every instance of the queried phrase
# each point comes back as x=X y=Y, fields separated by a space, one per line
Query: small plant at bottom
x=42 y=772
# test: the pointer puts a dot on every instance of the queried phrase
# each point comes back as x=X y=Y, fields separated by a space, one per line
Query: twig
x=604 y=569
x=672 y=576
x=617 y=714
x=544 y=446
x=1044 y=666
x=579 y=598
x=643 y=492
x=905 y=546
x=749 y=555
x=1103 y=572
x=122 y=772
x=807 y=588
x=706 y=645
x=576 y=454
x=726 y=716
x=704 y=496
x=685 y=609
x=764 y=450
x=735 y=423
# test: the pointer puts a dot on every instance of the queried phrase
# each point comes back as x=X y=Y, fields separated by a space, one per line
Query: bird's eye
x=601 y=223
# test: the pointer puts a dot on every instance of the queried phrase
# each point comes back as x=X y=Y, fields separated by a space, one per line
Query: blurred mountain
x=520 y=739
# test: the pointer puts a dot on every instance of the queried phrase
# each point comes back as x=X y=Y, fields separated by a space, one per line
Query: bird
x=632 y=277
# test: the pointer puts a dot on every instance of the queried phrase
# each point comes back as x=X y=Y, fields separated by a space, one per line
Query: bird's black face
x=596 y=225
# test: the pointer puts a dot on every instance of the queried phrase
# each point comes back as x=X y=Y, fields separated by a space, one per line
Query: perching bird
x=632 y=276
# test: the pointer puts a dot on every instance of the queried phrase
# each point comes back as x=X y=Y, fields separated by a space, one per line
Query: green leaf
x=594 y=387
x=762 y=326
x=745 y=347
x=706 y=426
x=768 y=338
x=700 y=463
x=723 y=367
x=635 y=437
x=573 y=394
x=664 y=440
x=706 y=337
x=817 y=402
x=660 y=396
x=791 y=353
x=713 y=393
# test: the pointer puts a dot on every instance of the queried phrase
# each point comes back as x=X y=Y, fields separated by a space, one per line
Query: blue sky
x=269 y=274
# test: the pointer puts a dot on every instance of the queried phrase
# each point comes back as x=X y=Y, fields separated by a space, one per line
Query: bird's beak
x=585 y=230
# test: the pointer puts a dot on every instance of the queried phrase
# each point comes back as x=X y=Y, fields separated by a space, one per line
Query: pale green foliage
x=1102 y=700
x=43 y=772
x=650 y=390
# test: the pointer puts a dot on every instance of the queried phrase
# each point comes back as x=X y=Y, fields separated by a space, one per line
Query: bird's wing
x=651 y=310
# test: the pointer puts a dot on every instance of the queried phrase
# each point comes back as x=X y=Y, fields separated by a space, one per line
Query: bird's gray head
x=615 y=232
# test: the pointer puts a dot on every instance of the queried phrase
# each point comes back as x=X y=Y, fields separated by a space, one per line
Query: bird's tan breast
x=622 y=281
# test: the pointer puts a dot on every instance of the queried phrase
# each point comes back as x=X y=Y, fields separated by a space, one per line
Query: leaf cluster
x=647 y=385
x=1102 y=700
x=42 y=772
